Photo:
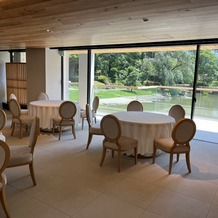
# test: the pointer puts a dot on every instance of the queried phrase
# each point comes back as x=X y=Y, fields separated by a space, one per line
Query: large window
x=159 y=77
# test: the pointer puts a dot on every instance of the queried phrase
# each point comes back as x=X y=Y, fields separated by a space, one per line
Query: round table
x=145 y=127
x=47 y=109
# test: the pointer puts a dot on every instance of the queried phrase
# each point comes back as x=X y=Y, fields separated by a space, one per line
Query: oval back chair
x=135 y=106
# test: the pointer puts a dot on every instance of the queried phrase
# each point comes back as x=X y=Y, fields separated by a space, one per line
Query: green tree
x=207 y=68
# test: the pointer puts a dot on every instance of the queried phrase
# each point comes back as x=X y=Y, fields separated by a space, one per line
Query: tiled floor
x=70 y=183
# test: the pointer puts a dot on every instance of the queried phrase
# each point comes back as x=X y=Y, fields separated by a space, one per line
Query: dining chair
x=18 y=118
x=95 y=104
x=94 y=128
x=177 y=112
x=179 y=142
x=22 y=155
x=4 y=159
x=13 y=96
x=135 y=106
x=3 y=119
x=67 y=111
x=114 y=140
x=42 y=96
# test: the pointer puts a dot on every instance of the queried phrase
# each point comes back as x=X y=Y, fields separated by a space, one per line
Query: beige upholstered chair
x=42 y=96
x=94 y=129
x=24 y=154
x=177 y=112
x=4 y=159
x=135 y=106
x=114 y=140
x=3 y=119
x=182 y=133
x=18 y=118
x=95 y=105
x=13 y=96
x=67 y=111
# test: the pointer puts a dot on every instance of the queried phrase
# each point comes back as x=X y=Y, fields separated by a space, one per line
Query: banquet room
x=79 y=172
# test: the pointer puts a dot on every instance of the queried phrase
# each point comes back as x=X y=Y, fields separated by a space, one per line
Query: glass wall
x=206 y=107
x=73 y=76
x=157 y=77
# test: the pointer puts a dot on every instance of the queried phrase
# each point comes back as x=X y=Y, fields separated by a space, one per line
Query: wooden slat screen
x=16 y=77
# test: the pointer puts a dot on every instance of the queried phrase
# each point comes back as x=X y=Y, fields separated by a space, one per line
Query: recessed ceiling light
x=145 y=19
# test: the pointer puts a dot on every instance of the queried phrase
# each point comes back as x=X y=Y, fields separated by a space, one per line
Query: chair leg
x=60 y=133
x=4 y=200
x=136 y=154
x=119 y=160
x=103 y=156
x=177 y=159
x=171 y=162
x=82 y=122
x=154 y=153
x=32 y=173
x=21 y=131
x=13 y=127
x=89 y=141
x=73 y=131
x=187 y=155
x=112 y=154
x=53 y=130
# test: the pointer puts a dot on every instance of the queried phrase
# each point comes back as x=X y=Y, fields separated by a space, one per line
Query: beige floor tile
x=198 y=189
x=213 y=212
x=135 y=192
x=108 y=207
x=71 y=184
x=170 y=204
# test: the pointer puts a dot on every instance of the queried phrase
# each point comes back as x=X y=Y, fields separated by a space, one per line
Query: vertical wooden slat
x=16 y=81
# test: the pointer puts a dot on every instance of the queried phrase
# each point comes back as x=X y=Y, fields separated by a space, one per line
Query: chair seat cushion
x=19 y=154
x=24 y=111
x=27 y=119
x=95 y=129
x=124 y=142
x=57 y=121
x=166 y=145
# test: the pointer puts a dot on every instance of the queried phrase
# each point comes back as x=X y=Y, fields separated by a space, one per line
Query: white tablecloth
x=48 y=109
x=145 y=127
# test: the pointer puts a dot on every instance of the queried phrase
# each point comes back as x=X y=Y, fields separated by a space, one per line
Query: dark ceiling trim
x=14 y=50
x=137 y=45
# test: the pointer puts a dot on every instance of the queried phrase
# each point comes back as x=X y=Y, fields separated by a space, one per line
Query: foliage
x=167 y=68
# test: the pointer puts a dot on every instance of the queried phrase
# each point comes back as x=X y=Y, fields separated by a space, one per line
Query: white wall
x=53 y=74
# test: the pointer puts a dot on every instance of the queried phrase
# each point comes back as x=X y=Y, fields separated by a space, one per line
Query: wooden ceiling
x=68 y=23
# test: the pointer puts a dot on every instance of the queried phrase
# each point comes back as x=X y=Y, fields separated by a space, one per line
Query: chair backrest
x=34 y=132
x=135 y=106
x=184 y=131
x=111 y=128
x=177 y=112
x=3 y=119
x=12 y=96
x=95 y=104
x=14 y=108
x=42 y=96
x=67 y=110
x=89 y=114
x=4 y=156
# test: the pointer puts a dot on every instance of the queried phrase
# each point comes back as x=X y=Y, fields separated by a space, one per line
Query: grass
x=103 y=93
